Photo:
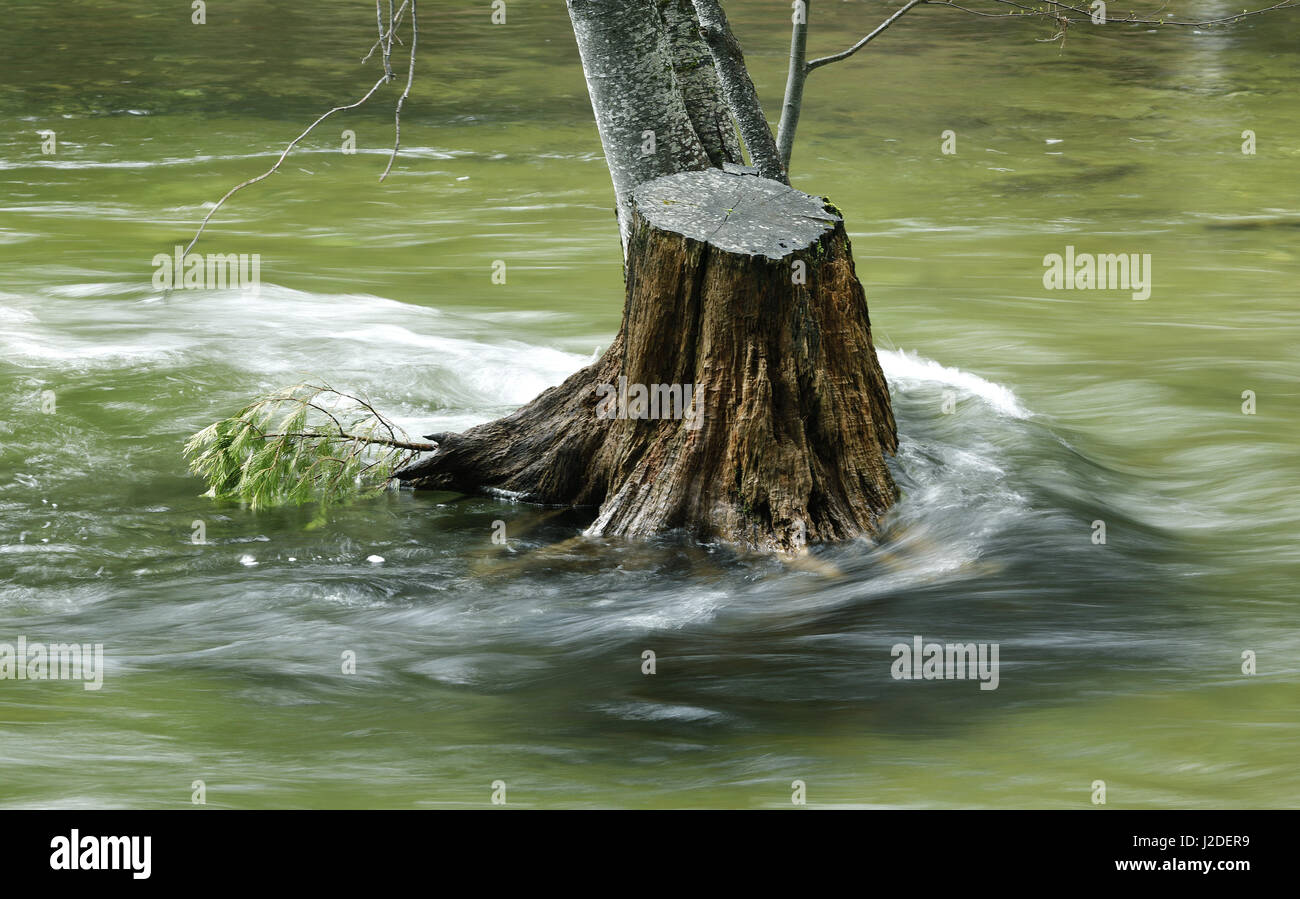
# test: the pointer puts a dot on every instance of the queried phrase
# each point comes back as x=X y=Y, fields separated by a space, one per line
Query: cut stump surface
x=742 y=399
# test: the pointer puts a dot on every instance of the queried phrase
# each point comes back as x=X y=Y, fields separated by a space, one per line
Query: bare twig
x=414 y=446
x=387 y=44
x=826 y=60
x=1056 y=10
x=410 y=76
x=390 y=35
x=1052 y=10
x=273 y=169
x=384 y=43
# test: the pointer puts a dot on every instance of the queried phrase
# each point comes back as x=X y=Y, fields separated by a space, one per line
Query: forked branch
x=1062 y=15
x=385 y=44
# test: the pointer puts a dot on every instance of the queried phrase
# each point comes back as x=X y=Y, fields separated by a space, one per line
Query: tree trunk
x=629 y=59
x=795 y=78
x=698 y=81
x=742 y=304
x=739 y=90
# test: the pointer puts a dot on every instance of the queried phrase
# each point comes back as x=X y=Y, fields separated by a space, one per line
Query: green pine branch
x=300 y=444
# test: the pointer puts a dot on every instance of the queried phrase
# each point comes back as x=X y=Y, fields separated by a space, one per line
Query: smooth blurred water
x=1120 y=662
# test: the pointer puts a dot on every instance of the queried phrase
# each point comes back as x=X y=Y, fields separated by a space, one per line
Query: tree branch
x=273 y=169
x=1055 y=10
x=357 y=438
x=388 y=37
x=309 y=455
x=410 y=76
x=1052 y=10
x=792 y=104
x=826 y=60
x=385 y=42
x=738 y=88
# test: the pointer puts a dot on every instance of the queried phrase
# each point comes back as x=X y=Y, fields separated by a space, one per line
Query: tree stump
x=742 y=399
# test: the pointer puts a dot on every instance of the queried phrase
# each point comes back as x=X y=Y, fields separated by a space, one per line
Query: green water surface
x=1026 y=415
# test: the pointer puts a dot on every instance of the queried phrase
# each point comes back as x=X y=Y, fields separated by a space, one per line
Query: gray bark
x=640 y=109
x=698 y=81
x=794 y=83
x=739 y=90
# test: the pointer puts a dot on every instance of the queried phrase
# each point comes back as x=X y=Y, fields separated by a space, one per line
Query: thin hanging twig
x=385 y=43
x=410 y=76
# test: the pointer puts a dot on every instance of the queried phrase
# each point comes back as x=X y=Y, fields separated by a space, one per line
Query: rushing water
x=1025 y=414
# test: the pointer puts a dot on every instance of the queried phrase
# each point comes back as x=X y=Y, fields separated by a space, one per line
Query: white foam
x=437 y=357
x=904 y=366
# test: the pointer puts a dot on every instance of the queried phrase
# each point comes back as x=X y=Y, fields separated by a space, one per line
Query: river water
x=1026 y=416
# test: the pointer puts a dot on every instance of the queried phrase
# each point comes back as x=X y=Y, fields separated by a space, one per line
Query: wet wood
x=741 y=293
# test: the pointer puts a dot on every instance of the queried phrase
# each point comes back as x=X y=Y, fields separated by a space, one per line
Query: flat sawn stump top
x=736 y=213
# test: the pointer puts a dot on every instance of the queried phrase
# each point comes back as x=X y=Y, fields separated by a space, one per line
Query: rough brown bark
x=746 y=289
